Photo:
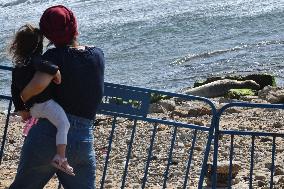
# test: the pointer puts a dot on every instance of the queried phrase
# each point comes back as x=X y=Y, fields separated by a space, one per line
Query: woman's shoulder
x=89 y=50
x=96 y=50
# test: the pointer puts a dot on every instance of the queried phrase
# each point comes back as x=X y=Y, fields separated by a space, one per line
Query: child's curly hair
x=27 y=41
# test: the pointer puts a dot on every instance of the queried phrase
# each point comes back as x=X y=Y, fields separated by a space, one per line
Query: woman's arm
x=38 y=83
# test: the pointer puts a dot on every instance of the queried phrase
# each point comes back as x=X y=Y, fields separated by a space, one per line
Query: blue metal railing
x=132 y=103
x=252 y=134
x=132 y=93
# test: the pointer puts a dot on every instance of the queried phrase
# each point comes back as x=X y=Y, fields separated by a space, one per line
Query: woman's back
x=82 y=70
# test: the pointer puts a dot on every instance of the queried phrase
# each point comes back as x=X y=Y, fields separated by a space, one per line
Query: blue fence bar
x=149 y=156
x=189 y=159
x=251 y=134
x=5 y=131
x=6 y=68
x=272 y=169
x=128 y=154
x=231 y=162
x=108 y=152
x=170 y=157
x=251 y=161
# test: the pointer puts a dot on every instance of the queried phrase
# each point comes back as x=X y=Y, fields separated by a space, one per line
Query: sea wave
x=210 y=54
x=13 y=3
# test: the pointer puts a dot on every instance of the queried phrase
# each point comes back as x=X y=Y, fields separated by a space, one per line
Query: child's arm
x=46 y=72
x=16 y=98
x=38 y=83
x=19 y=105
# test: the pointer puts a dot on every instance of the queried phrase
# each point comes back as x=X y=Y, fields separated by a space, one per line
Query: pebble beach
x=248 y=119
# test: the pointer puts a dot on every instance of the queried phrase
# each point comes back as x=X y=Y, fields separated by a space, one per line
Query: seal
x=220 y=88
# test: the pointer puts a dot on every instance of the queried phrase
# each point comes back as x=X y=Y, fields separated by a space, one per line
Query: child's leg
x=60 y=149
x=56 y=115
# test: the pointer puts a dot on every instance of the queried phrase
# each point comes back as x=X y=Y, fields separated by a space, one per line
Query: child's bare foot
x=62 y=164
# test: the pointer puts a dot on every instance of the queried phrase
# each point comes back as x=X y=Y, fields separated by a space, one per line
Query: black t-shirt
x=82 y=74
x=22 y=75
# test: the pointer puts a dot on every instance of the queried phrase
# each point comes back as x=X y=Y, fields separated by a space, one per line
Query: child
x=26 y=50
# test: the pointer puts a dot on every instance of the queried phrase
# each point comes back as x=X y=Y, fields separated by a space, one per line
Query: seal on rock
x=220 y=88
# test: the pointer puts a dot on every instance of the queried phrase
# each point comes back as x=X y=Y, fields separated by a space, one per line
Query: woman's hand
x=24 y=114
x=57 y=78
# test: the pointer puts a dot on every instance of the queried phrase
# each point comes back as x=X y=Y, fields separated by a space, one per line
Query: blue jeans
x=35 y=170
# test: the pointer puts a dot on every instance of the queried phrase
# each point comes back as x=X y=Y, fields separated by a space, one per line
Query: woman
x=79 y=94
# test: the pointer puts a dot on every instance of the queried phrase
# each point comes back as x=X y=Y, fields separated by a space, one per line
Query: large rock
x=272 y=94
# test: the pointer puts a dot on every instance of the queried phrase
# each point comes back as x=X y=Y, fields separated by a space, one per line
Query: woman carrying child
x=79 y=94
x=26 y=50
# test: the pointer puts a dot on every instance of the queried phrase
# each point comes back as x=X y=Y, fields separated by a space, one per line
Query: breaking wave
x=190 y=57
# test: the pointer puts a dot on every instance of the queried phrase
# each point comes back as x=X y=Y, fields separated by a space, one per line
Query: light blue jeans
x=35 y=170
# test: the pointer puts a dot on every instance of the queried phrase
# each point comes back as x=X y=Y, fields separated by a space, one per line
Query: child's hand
x=57 y=78
x=24 y=114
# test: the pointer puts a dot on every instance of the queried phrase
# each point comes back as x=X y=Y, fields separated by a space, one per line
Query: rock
x=225 y=100
x=108 y=181
x=199 y=111
x=265 y=139
x=180 y=144
x=198 y=148
x=281 y=180
x=233 y=110
x=279 y=171
x=261 y=183
x=174 y=162
x=108 y=186
x=268 y=165
x=168 y=105
x=248 y=98
x=278 y=124
x=272 y=94
x=179 y=113
x=155 y=108
x=260 y=176
x=223 y=173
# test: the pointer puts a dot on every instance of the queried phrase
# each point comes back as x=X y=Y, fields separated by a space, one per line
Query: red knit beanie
x=59 y=25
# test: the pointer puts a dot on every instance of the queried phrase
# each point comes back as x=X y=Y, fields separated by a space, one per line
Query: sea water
x=166 y=44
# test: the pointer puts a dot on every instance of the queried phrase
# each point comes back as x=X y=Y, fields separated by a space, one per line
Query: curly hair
x=27 y=41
